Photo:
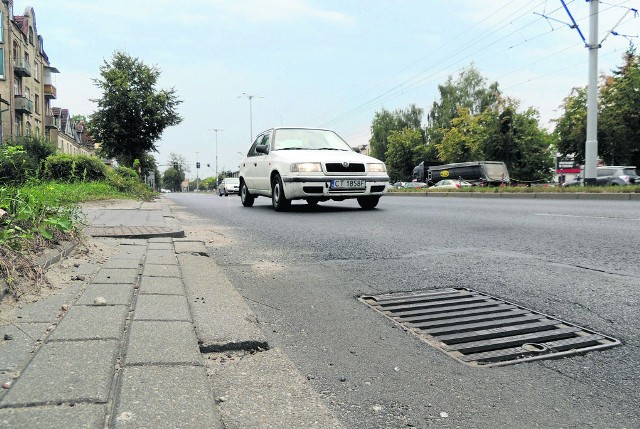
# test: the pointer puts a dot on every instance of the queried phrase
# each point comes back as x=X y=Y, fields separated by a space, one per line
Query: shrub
x=126 y=180
x=72 y=168
x=127 y=172
x=22 y=159
x=15 y=165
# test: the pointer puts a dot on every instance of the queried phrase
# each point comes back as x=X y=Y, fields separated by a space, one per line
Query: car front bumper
x=320 y=186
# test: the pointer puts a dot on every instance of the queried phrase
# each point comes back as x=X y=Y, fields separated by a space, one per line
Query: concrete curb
x=525 y=195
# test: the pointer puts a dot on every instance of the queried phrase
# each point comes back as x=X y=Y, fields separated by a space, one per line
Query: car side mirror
x=356 y=149
x=261 y=148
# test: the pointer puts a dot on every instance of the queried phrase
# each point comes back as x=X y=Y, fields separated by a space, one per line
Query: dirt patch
x=90 y=252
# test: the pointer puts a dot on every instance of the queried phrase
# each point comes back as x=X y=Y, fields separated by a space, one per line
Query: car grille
x=337 y=167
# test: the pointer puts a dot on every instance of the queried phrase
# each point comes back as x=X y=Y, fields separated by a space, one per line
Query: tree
x=172 y=179
x=571 y=127
x=521 y=143
x=464 y=141
x=403 y=152
x=176 y=173
x=469 y=91
x=619 y=123
x=385 y=122
x=500 y=134
x=131 y=114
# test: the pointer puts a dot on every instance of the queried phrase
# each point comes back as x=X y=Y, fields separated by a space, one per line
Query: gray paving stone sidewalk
x=126 y=347
x=120 y=352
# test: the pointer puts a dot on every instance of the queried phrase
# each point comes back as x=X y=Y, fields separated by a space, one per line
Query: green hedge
x=73 y=168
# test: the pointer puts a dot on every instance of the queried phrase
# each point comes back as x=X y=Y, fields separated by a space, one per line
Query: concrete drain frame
x=481 y=330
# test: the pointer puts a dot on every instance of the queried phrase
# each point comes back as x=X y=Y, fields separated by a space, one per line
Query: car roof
x=295 y=128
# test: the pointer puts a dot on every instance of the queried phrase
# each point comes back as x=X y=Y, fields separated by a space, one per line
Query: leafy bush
x=127 y=172
x=22 y=159
x=73 y=168
x=15 y=166
x=123 y=180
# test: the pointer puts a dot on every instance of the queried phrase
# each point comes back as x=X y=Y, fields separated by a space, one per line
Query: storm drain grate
x=482 y=330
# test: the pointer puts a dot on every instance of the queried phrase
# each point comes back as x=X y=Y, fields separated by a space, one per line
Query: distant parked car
x=229 y=185
x=451 y=184
x=311 y=164
x=398 y=185
x=415 y=185
x=610 y=176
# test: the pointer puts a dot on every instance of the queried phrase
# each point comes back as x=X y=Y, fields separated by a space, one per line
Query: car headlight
x=306 y=167
x=378 y=167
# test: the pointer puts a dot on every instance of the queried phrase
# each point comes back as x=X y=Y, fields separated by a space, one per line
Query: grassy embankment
x=39 y=215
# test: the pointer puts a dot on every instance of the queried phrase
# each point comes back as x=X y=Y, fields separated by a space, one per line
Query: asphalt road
x=301 y=271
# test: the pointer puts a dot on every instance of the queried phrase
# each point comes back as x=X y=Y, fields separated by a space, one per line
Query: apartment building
x=27 y=86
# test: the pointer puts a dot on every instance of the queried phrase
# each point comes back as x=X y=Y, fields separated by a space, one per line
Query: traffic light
x=208 y=165
x=175 y=165
x=197 y=165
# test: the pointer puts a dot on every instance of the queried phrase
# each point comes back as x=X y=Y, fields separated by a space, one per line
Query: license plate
x=348 y=184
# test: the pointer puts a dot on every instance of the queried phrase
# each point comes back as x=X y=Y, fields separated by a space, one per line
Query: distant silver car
x=312 y=164
x=612 y=175
x=229 y=185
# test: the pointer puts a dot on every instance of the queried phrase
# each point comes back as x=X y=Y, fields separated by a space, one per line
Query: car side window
x=252 y=151
x=265 y=142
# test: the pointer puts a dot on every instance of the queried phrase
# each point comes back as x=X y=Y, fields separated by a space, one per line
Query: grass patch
x=38 y=216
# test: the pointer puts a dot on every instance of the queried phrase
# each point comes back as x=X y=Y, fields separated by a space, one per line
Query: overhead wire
x=422 y=78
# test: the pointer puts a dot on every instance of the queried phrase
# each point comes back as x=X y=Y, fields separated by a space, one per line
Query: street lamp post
x=216 y=131
x=250 y=97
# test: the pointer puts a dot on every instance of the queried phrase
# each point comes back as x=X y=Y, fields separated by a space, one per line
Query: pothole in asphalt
x=478 y=329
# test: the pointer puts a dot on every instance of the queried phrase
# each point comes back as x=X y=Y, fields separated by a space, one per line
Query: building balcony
x=51 y=121
x=50 y=91
x=22 y=104
x=22 y=68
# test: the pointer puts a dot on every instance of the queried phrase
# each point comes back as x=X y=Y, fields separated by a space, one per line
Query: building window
x=1 y=27
x=28 y=128
x=36 y=71
x=36 y=100
x=2 y=63
x=31 y=35
x=16 y=86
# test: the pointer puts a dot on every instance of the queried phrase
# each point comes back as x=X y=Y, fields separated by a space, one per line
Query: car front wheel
x=246 y=198
x=368 y=203
x=278 y=200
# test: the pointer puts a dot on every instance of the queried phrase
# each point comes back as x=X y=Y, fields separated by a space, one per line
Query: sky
x=321 y=63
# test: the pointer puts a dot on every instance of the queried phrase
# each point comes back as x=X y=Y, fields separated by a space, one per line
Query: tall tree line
x=470 y=121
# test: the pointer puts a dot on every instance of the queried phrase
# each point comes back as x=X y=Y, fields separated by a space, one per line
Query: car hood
x=321 y=156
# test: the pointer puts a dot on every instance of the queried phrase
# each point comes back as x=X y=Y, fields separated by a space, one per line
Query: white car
x=312 y=164
x=229 y=185
x=452 y=184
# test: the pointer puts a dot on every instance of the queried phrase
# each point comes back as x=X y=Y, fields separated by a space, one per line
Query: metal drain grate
x=481 y=330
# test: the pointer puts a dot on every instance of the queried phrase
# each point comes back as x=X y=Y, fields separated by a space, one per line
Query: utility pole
x=591 y=145
x=216 y=131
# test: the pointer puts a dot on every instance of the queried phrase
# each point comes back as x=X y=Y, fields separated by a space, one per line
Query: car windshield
x=232 y=180
x=298 y=138
x=629 y=172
